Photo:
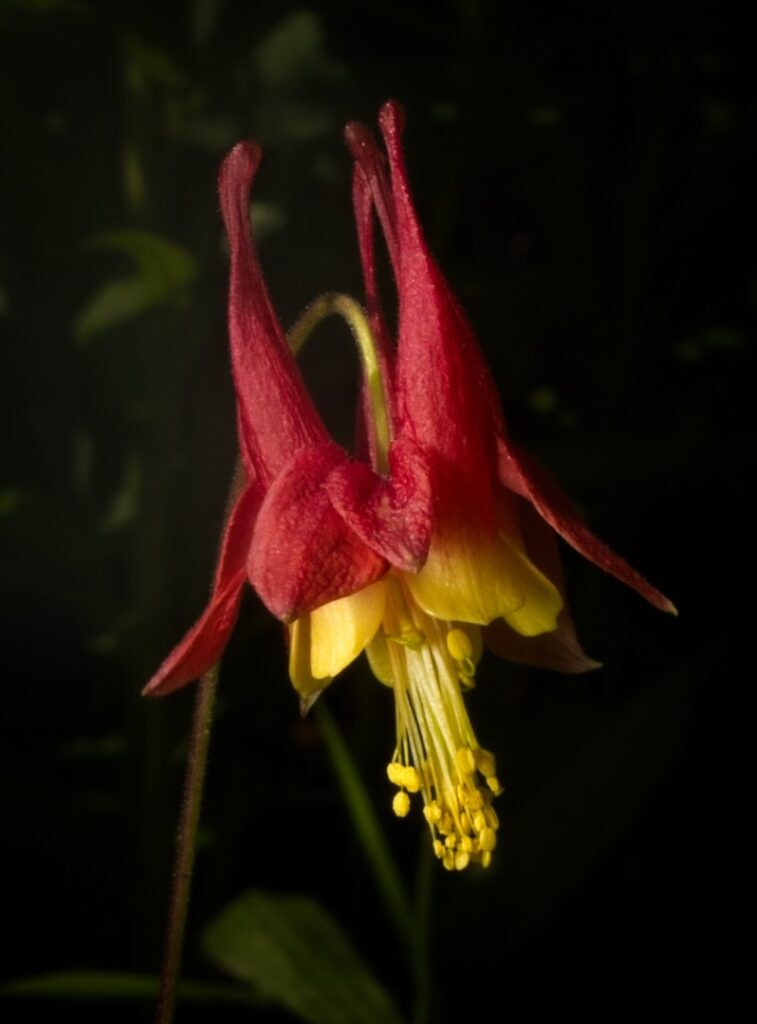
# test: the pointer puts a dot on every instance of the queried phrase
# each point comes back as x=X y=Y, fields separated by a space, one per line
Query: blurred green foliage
x=162 y=270
x=296 y=955
x=585 y=172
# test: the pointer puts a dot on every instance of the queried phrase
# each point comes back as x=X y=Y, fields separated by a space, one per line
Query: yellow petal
x=340 y=630
x=302 y=678
x=472 y=577
x=379 y=659
x=542 y=601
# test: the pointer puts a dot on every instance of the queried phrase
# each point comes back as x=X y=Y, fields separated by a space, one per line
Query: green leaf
x=161 y=270
x=292 y=52
x=298 y=956
x=120 y=985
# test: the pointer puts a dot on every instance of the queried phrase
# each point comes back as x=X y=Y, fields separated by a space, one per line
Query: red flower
x=447 y=538
x=285 y=532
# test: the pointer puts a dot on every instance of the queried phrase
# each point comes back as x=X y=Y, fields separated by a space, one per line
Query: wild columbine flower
x=443 y=542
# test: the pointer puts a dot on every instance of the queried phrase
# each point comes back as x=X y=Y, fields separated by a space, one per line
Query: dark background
x=586 y=174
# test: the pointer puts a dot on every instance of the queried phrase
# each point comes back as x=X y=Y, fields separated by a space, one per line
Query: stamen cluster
x=463 y=821
x=437 y=754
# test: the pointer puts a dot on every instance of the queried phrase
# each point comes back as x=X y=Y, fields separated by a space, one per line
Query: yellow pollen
x=432 y=812
x=466 y=763
x=460 y=646
x=401 y=804
x=487 y=839
x=409 y=637
x=462 y=860
x=493 y=783
x=485 y=762
x=471 y=798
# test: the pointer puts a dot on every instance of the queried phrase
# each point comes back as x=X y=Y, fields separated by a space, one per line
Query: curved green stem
x=336 y=304
x=186 y=843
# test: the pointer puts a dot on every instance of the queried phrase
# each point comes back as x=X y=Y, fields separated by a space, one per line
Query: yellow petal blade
x=473 y=578
x=341 y=629
x=379 y=659
x=542 y=601
x=303 y=680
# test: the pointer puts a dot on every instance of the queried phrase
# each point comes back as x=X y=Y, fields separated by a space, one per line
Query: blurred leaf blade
x=162 y=269
x=293 y=952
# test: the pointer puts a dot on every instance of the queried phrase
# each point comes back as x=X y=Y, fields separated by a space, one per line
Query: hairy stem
x=186 y=843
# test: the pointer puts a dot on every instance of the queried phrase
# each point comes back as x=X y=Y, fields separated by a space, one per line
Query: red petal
x=519 y=473
x=203 y=645
x=303 y=554
x=445 y=395
x=276 y=414
x=370 y=164
x=237 y=534
x=205 y=642
x=560 y=649
x=363 y=203
x=393 y=516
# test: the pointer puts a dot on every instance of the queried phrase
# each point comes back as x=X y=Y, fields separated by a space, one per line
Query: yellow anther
x=492 y=817
x=465 y=824
x=485 y=762
x=462 y=860
x=470 y=798
x=448 y=860
x=467 y=668
x=401 y=804
x=395 y=772
x=466 y=762
x=438 y=848
x=479 y=822
x=488 y=839
x=409 y=637
x=460 y=646
x=466 y=843
x=486 y=859
x=493 y=783
x=411 y=780
x=432 y=812
x=451 y=841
